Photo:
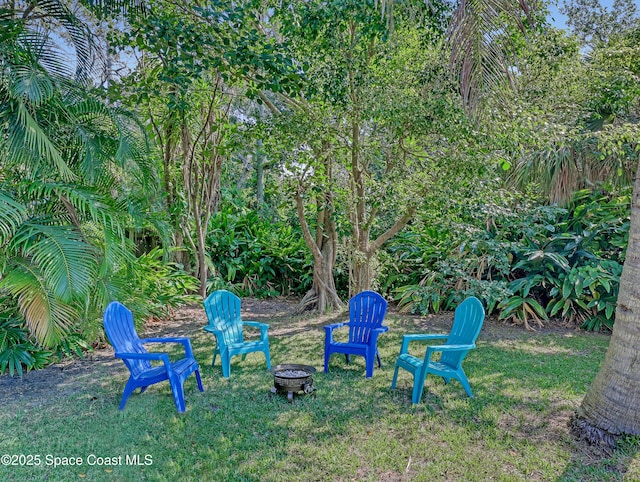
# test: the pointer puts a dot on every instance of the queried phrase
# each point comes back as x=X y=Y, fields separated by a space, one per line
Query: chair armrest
x=184 y=341
x=264 y=327
x=146 y=356
x=256 y=324
x=215 y=332
x=333 y=326
x=406 y=339
x=328 y=330
x=451 y=347
x=446 y=348
x=375 y=333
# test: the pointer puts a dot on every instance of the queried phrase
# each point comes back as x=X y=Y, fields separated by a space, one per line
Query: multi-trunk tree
x=365 y=137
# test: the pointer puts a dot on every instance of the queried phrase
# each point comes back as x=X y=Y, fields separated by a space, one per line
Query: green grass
x=526 y=386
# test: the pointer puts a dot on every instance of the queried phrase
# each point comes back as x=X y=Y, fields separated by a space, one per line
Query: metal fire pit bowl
x=292 y=378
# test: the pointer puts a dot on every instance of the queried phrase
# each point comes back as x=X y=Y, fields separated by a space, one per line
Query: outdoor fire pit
x=292 y=378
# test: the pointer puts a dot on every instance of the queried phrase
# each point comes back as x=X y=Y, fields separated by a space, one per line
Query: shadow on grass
x=593 y=463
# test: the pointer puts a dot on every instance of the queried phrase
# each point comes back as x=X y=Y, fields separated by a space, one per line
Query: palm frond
x=79 y=33
x=89 y=205
x=565 y=167
x=482 y=55
x=66 y=261
x=46 y=53
x=47 y=318
x=30 y=82
x=110 y=136
x=27 y=140
x=12 y=214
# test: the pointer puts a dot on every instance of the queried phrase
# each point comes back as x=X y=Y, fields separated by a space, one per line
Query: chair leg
x=267 y=355
x=128 y=390
x=327 y=355
x=178 y=394
x=369 y=362
x=378 y=357
x=327 y=350
x=348 y=358
x=395 y=376
x=465 y=383
x=199 y=380
x=215 y=354
x=226 y=364
x=418 y=387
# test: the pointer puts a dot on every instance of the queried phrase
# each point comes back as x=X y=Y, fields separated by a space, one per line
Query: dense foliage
x=273 y=152
x=257 y=256
x=75 y=183
x=527 y=262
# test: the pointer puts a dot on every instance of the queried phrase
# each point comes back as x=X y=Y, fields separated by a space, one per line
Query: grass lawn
x=526 y=386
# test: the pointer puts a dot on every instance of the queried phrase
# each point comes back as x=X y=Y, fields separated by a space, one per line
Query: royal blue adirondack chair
x=467 y=322
x=223 y=312
x=366 y=314
x=118 y=325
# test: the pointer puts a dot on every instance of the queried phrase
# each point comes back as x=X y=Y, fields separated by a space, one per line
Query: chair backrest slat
x=366 y=312
x=467 y=322
x=119 y=327
x=223 y=313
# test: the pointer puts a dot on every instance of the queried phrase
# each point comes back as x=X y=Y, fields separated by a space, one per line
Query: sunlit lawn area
x=526 y=386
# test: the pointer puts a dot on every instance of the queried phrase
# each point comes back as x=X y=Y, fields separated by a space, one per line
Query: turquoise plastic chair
x=118 y=325
x=467 y=322
x=223 y=312
x=366 y=314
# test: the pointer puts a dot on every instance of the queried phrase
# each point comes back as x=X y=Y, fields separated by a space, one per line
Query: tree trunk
x=611 y=407
x=362 y=274
x=259 y=160
x=203 y=271
x=362 y=218
x=322 y=296
x=201 y=174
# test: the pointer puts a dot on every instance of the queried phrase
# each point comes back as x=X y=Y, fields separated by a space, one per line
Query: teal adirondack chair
x=467 y=322
x=223 y=312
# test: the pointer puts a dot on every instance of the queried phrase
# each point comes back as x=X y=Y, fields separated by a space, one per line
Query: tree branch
x=392 y=231
x=306 y=232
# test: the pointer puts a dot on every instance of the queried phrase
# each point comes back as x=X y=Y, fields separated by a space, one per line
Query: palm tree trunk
x=611 y=406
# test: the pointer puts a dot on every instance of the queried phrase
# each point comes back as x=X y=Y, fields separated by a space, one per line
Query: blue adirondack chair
x=366 y=314
x=118 y=325
x=467 y=322
x=223 y=312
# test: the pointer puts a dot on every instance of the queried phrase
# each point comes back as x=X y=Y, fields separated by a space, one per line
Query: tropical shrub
x=153 y=288
x=75 y=176
x=254 y=256
x=527 y=264
x=18 y=349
